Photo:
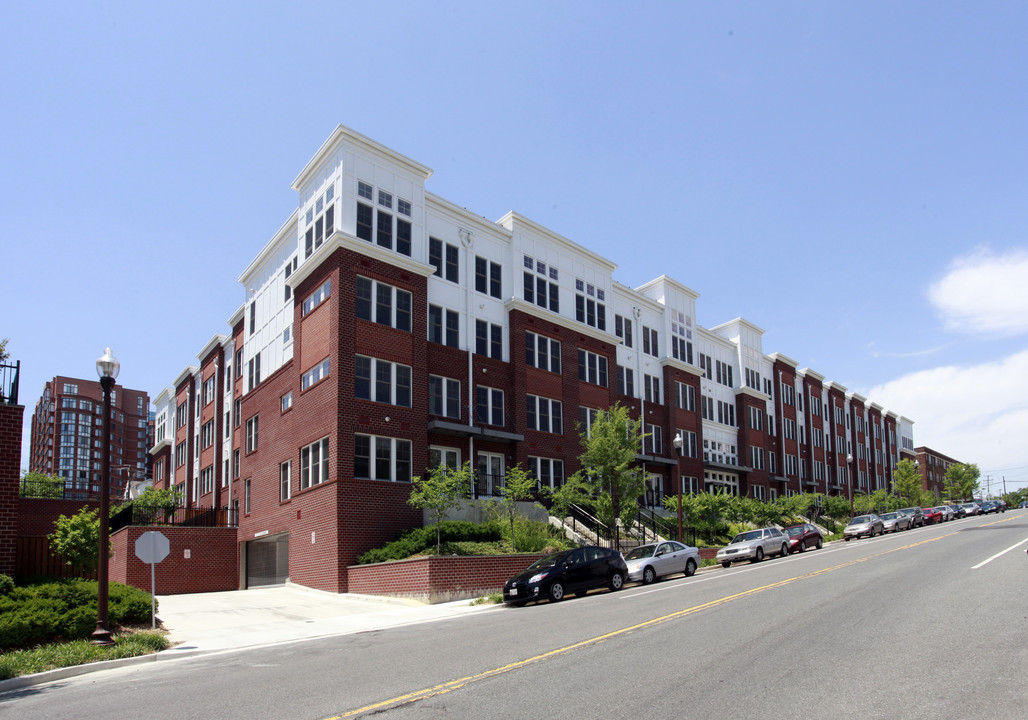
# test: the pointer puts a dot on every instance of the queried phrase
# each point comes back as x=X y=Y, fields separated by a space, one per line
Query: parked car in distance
x=916 y=516
x=894 y=522
x=869 y=525
x=647 y=563
x=931 y=516
x=989 y=506
x=754 y=545
x=945 y=512
x=568 y=571
x=971 y=508
x=1023 y=504
x=803 y=536
x=958 y=511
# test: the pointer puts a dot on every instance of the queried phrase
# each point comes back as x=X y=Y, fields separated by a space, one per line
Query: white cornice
x=717 y=339
x=831 y=385
x=671 y=283
x=635 y=297
x=442 y=206
x=286 y=232
x=160 y=446
x=167 y=394
x=746 y=390
x=237 y=316
x=740 y=321
x=775 y=357
x=216 y=341
x=679 y=365
x=813 y=374
x=187 y=373
x=512 y=219
x=856 y=397
x=549 y=316
x=343 y=134
x=339 y=239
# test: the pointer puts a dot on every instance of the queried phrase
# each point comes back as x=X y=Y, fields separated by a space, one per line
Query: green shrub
x=6 y=584
x=420 y=540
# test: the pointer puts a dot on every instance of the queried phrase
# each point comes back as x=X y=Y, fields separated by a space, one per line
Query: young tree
x=159 y=501
x=41 y=485
x=441 y=491
x=906 y=481
x=517 y=487
x=575 y=490
x=3 y=349
x=77 y=539
x=961 y=481
x=608 y=457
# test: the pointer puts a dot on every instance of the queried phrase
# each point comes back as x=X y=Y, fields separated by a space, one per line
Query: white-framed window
x=538 y=288
x=590 y=305
x=488 y=276
x=382 y=381
x=376 y=225
x=626 y=381
x=445 y=258
x=725 y=413
x=757 y=458
x=685 y=396
x=316 y=374
x=689 y=444
x=207 y=434
x=320 y=221
x=443 y=396
x=381 y=458
x=285 y=480
x=759 y=492
x=650 y=346
x=314 y=463
x=545 y=414
x=383 y=304
x=592 y=368
x=542 y=352
x=246 y=496
x=489 y=339
x=208 y=390
x=651 y=385
x=489 y=405
x=71 y=389
x=623 y=329
x=443 y=326
x=317 y=297
x=287 y=401
x=548 y=472
x=207 y=480
x=789 y=428
x=251 y=434
x=756 y=418
x=586 y=417
x=440 y=456
x=654 y=439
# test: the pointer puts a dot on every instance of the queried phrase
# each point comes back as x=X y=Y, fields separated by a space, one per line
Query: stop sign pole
x=152 y=547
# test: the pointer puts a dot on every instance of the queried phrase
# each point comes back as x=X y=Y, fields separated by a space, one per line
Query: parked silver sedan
x=894 y=522
x=754 y=545
x=646 y=563
x=869 y=525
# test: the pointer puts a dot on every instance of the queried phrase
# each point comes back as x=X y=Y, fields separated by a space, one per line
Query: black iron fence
x=169 y=515
x=48 y=490
x=9 y=383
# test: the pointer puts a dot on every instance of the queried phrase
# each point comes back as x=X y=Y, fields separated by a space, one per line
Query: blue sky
x=850 y=176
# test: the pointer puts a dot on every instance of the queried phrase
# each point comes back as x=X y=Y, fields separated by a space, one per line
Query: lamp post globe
x=679 y=445
x=107 y=367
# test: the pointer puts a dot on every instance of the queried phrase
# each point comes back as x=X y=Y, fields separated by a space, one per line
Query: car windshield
x=643 y=551
x=860 y=519
x=548 y=561
x=794 y=530
x=889 y=516
x=747 y=536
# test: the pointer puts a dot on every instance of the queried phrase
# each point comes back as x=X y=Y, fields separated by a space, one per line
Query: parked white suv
x=754 y=545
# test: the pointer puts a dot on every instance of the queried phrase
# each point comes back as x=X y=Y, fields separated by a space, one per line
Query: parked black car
x=570 y=571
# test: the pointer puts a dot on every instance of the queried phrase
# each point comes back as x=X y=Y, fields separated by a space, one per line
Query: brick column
x=11 y=417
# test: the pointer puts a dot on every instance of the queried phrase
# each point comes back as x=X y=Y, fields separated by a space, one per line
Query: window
x=542 y=352
x=626 y=381
x=71 y=389
x=443 y=326
x=788 y=394
x=681 y=334
x=320 y=221
x=377 y=225
x=443 y=457
x=725 y=413
x=316 y=374
x=651 y=385
x=285 y=474
x=724 y=373
x=381 y=458
x=181 y=414
x=489 y=339
x=314 y=463
x=287 y=401
x=681 y=349
x=246 y=496
x=757 y=458
x=444 y=257
x=253 y=316
x=689 y=446
x=487 y=277
x=317 y=297
x=180 y=454
x=592 y=368
x=208 y=390
x=207 y=480
x=382 y=381
x=544 y=415
x=685 y=397
x=391 y=306
x=235 y=463
x=549 y=472
x=443 y=396
x=254 y=369
x=623 y=329
x=789 y=427
x=756 y=418
x=251 y=434
x=650 y=342
x=207 y=434
x=538 y=289
x=707 y=404
x=654 y=440
x=759 y=491
x=237 y=411
x=489 y=405
x=586 y=418
x=589 y=308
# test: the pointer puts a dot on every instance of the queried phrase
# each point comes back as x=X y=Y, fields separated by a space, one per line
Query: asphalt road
x=929 y=623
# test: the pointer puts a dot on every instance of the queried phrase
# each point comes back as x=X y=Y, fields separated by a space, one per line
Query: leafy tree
x=837 y=508
x=575 y=490
x=441 y=491
x=164 y=501
x=608 y=457
x=517 y=487
x=906 y=481
x=41 y=485
x=77 y=539
x=705 y=513
x=3 y=349
x=961 y=481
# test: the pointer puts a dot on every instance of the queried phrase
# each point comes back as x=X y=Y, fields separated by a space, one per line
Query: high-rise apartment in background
x=67 y=436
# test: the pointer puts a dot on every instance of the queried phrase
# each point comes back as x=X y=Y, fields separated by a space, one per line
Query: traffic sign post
x=152 y=547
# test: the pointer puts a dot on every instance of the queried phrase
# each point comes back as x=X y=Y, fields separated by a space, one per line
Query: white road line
x=1004 y=552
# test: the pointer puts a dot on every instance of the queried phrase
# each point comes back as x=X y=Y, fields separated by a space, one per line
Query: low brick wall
x=212 y=565
x=437 y=579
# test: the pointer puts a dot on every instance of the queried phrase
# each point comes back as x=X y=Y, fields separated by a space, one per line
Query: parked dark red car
x=931 y=516
x=803 y=536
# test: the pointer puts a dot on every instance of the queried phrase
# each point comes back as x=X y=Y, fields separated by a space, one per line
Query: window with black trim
x=381 y=458
x=538 y=288
x=381 y=227
x=488 y=277
x=623 y=329
x=314 y=463
x=443 y=326
x=590 y=305
x=383 y=304
x=545 y=414
x=445 y=258
x=443 y=396
x=319 y=221
x=592 y=368
x=542 y=352
x=382 y=381
x=489 y=405
x=489 y=339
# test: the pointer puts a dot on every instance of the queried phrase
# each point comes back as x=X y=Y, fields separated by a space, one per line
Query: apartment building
x=932 y=466
x=67 y=436
x=385 y=330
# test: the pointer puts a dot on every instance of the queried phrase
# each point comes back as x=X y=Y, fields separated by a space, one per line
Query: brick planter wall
x=10 y=471
x=212 y=566
x=438 y=579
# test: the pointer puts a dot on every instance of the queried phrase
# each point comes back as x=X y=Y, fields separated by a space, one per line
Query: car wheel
x=617 y=581
x=648 y=575
x=820 y=543
x=785 y=549
x=759 y=555
x=690 y=568
x=803 y=546
x=556 y=591
x=726 y=565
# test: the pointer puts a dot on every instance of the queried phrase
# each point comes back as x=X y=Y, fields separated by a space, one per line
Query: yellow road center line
x=461 y=682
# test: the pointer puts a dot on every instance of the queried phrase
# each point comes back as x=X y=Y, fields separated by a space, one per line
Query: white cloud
x=973 y=414
x=984 y=293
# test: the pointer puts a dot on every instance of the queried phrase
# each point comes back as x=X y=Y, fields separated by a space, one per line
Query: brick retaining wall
x=212 y=565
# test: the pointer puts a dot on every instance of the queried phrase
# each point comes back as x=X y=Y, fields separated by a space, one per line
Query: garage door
x=267 y=561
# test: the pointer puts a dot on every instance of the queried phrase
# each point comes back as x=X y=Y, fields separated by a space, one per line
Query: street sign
x=152 y=547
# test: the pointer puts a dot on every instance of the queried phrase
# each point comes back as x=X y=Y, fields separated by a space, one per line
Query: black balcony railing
x=148 y=516
x=9 y=383
x=47 y=490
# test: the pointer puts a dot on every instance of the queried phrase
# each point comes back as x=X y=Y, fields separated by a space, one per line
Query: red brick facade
x=200 y=560
x=11 y=417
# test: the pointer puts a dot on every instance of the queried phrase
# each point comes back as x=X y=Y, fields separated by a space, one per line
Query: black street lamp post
x=107 y=368
x=849 y=471
x=678 y=443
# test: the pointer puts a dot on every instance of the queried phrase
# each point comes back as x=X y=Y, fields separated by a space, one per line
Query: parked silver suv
x=915 y=515
x=754 y=545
